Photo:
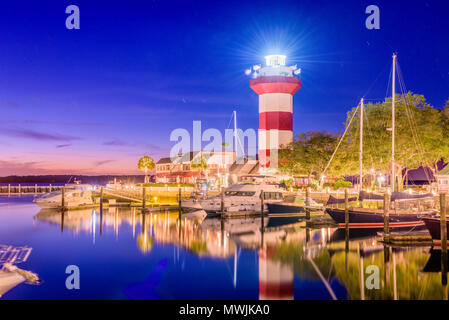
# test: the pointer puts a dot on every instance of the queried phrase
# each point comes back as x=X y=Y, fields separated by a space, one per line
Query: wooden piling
x=20 y=189
x=9 y=189
x=179 y=204
x=346 y=231
x=35 y=189
x=261 y=203
x=222 y=208
x=307 y=203
x=144 y=198
x=346 y=211
x=63 y=198
x=101 y=198
x=443 y=233
x=386 y=217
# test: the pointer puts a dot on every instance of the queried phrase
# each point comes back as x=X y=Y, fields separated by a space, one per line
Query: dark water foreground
x=122 y=254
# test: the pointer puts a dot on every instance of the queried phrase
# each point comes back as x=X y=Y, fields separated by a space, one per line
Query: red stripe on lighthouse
x=277 y=84
x=276 y=120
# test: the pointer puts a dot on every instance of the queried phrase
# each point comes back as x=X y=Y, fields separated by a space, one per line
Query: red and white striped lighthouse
x=275 y=84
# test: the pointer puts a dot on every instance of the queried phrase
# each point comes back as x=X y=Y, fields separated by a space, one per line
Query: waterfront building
x=275 y=84
x=442 y=178
x=180 y=170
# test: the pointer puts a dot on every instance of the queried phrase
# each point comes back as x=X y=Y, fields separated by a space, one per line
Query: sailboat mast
x=361 y=144
x=393 y=112
x=235 y=133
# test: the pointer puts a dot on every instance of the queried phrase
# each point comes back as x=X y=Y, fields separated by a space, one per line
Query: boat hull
x=288 y=208
x=433 y=225
x=374 y=220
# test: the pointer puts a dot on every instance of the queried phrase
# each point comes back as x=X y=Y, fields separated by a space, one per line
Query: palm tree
x=145 y=163
x=199 y=163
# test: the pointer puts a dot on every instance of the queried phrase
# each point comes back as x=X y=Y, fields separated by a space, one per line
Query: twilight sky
x=92 y=101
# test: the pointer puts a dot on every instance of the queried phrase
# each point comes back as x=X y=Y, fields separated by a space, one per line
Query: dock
x=412 y=238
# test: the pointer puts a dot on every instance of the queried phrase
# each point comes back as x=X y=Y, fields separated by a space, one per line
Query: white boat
x=76 y=196
x=238 y=198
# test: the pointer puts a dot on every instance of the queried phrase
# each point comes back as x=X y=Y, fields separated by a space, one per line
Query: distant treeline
x=70 y=178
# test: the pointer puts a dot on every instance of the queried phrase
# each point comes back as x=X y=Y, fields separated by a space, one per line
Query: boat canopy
x=363 y=195
x=407 y=196
x=395 y=196
x=333 y=200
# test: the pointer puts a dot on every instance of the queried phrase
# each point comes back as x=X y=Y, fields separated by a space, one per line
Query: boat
x=75 y=196
x=374 y=218
x=403 y=214
x=298 y=205
x=433 y=224
x=10 y=274
x=237 y=198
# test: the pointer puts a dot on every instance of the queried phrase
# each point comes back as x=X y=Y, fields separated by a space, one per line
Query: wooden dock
x=412 y=238
x=19 y=189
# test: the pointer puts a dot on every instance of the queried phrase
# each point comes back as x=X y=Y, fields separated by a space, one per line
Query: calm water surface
x=123 y=254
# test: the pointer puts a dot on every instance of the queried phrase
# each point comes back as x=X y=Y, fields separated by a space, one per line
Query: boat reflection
x=286 y=250
x=10 y=274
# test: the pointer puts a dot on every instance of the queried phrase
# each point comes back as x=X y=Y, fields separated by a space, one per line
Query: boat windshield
x=240 y=193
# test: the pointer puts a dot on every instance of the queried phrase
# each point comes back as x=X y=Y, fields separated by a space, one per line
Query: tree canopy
x=420 y=137
x=308 y=154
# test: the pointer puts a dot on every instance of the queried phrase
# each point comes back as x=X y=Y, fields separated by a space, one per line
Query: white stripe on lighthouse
x=275 y=102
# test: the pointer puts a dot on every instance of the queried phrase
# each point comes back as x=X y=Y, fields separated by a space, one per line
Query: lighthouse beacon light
x=275 y=84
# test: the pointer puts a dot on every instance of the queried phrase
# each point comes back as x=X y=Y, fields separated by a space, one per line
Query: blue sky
x=93 y=100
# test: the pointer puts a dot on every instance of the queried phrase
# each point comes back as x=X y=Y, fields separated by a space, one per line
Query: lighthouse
x=275 y=84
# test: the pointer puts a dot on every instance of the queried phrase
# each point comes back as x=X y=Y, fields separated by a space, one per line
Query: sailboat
x=374 y=218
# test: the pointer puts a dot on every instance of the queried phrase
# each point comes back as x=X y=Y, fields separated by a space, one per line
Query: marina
x=214 y=154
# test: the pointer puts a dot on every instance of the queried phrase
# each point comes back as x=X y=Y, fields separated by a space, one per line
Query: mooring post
x=443 y=232
x=20 y=189
x=101 y=198
x=179 y=203
x=346 y=231
x=222 y=206
x=307 y=203
x=63 y=198
x=386 y=217
x=9 y=189
x=144 y=196
x=261 y=203
x=35 y=189
x=346 y=211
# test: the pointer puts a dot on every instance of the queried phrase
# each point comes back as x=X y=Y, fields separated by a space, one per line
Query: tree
x=420 y=138
x=146 y=163
x=199 y=163
x=308 y=154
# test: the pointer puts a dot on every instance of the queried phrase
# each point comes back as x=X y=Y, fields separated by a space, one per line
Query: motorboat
x=238 y=198
x=298 y=204
x=75 y=196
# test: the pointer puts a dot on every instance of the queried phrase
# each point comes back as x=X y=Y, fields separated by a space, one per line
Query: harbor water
x=123 y=254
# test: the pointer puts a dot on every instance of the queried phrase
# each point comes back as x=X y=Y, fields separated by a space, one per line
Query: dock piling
x=101 y=198
x=346 y=231
x=386 y=217
x=63 y=198
x=20 y=189
x=9 y=190
x=443 y=232
x=222 y=208
x=179 y=203
x=261 y=203
x=307 y=203
x=144 y=204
